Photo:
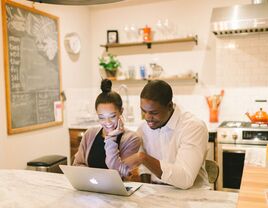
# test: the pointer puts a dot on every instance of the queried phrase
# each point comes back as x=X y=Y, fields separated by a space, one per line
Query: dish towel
x=256 y=156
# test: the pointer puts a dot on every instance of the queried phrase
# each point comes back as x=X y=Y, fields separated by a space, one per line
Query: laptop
x=106 y=181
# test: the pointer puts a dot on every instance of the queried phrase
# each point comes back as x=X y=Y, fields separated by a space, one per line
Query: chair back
x=212 y=169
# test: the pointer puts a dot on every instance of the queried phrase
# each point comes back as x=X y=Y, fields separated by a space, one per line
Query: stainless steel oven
x=233 y=140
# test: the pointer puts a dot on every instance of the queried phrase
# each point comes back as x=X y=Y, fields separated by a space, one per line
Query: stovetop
x=243 y=124
x=241 y=132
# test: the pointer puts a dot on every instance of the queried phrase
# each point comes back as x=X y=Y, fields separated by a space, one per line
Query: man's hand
x=134 y=176
x=148 y=161
x=134 y=160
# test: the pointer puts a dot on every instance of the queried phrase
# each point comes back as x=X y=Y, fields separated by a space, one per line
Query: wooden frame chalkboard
x=32 y=68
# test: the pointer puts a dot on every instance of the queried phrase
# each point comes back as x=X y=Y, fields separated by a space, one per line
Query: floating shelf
x=182 y=80
x=149 y=44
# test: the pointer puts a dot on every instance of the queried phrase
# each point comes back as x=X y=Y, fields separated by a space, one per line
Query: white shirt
x=180 y=146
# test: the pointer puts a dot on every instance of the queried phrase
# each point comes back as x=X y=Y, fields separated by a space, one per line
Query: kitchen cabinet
x=193 y=39
x=75 y=139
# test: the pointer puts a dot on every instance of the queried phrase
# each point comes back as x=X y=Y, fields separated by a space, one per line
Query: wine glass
x=168 y=28
x=127 y=32
x=134 y=33
x=160 y=29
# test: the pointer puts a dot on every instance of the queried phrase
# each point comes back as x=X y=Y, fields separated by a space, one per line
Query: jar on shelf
x=147 y=34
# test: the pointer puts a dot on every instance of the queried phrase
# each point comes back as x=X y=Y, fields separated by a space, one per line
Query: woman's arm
x=129 y=145
x=85 y=144
x=79 y=158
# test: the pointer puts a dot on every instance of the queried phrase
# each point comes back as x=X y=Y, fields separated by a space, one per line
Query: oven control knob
x=234 y=136
x=223 y=135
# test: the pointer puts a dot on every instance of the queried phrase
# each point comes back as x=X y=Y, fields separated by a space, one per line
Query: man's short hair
x=157 y=90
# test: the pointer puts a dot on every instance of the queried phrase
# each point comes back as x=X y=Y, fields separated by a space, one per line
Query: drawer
x=75 y=133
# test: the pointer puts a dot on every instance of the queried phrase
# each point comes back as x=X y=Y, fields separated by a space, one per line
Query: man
x=174 y=142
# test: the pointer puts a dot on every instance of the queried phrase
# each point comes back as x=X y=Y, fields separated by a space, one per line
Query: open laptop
x=98 y=180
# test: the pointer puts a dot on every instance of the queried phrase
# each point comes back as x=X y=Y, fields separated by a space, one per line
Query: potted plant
x=110 y=64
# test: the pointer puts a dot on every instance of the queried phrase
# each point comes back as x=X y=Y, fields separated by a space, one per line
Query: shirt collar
x=171 y=124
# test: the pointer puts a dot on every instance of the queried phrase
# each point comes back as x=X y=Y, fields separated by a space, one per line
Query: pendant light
x=76 y=2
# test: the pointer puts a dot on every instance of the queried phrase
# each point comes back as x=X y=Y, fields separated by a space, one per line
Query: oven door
x=231 y=158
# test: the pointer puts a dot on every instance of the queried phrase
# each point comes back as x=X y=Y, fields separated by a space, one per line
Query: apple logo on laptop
x=93 y=181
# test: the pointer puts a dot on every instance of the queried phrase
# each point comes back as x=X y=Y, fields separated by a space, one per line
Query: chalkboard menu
x=32 y=68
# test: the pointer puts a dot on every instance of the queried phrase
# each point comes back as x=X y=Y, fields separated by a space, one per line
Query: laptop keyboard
x=128 y=188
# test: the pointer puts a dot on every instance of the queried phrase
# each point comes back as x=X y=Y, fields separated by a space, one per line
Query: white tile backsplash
x=242 y=61
x=80 y=104
x=235 y=103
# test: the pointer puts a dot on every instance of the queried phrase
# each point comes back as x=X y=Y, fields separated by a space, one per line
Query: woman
x=110 y=143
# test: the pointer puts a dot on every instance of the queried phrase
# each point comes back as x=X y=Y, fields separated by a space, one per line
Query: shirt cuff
x=109 y=138
x=143 y=169
x=166 y=171
x=124 y=170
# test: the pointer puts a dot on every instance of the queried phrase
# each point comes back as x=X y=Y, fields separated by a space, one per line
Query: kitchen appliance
x=259 y=117
x=249 y=18
x=234 y=139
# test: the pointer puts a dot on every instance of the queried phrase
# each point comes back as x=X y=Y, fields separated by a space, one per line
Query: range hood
x=240 y=19
x=76 y=2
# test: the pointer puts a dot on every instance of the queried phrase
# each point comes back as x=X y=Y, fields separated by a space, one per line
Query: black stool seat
x=49 y=163
x=46 y=161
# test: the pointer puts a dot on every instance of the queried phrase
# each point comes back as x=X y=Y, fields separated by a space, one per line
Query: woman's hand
x=119 y=129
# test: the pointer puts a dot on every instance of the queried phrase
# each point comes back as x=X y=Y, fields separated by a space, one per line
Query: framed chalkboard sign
x=32 y=68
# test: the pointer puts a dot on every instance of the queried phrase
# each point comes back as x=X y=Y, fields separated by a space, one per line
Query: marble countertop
x=33 y=189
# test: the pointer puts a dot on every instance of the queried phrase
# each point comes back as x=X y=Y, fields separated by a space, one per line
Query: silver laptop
x=98 y=180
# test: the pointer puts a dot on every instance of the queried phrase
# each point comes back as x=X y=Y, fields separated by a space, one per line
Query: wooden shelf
x=149 y=44
x=182 y=80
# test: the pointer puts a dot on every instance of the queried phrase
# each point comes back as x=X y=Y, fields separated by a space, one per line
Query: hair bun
x=106 y=85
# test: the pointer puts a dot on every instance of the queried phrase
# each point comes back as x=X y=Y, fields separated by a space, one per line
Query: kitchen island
x=24 y=188
x=254 y=187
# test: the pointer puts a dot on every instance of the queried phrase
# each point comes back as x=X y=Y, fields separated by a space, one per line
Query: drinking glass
x=160 y=29
x=134 y=33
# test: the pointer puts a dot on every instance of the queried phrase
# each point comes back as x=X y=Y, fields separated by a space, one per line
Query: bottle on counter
x=131 y=72
x=143 y=73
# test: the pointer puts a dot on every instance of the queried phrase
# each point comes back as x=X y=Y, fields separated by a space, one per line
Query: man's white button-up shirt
x=180 y=146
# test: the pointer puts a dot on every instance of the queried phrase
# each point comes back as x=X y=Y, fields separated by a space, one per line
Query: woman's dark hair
x=157 y=90
x=107 y=95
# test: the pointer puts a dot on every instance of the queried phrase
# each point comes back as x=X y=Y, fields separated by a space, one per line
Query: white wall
x=16 y=150
x=215 y=72
x=190 y=17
